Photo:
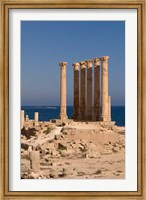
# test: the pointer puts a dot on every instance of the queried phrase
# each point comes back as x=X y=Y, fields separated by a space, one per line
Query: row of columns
x=84 y=110
x=82 y=105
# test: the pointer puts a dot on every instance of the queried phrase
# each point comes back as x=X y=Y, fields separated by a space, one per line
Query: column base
x=107 y=123
x=63 y=117
x=95 y=118
x=105 y=119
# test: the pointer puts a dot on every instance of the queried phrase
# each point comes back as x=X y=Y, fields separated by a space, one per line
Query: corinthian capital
x=76 y=65
x=97 y=61
x=63 y=64
x=105 y=58
x=89 y=63
x=83 y=64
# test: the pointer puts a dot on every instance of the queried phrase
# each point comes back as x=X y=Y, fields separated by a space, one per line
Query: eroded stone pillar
x=35 y=161
x=27 y=118
x=96 y=113
x=63 y=115
x=89 y=90
x=76 y=90
x=36 y=118
x=22 y=119
x=105 y=97
x=82 y=90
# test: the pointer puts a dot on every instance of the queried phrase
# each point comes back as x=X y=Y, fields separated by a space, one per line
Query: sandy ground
x=75 y=150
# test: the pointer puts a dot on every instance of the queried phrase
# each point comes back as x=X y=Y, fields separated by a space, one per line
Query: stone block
x=35 y=161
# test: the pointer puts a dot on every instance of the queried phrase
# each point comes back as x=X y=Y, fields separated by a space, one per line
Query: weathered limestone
x=76 y=90
x=82 y=90
x=35 y=161
x=96 y=114
x=89 y=90
x=22 y=119
x=105 y=98
x=36 y=118
x=83 y=109
x=27 y=118
x=63 y=115
x=109 y=107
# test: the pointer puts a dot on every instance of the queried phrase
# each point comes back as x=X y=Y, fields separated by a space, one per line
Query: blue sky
x=46 y=43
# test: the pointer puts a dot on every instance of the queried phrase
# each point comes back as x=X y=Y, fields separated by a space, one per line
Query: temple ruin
x=89 y=93
x=84 y=107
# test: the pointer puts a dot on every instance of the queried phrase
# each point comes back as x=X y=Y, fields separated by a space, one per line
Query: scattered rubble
x=73 y=150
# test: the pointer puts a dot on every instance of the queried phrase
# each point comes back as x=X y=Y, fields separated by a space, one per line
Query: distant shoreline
x=52 y=112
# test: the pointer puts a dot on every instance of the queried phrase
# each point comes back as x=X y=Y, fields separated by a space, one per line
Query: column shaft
x=105 y=99
x=82 y=90
x=36 y=116
x=22 y=119
x=96 y=115
x=27 y=118
x=89 y=89
x=76 y=91
x=63 y=114
x=109 y=109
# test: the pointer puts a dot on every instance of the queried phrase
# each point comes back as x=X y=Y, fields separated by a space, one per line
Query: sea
x=52 y=112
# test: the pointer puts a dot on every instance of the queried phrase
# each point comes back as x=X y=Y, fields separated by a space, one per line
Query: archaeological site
x=90 y=144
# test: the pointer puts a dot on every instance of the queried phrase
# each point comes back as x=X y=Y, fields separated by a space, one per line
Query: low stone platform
x=111 y=123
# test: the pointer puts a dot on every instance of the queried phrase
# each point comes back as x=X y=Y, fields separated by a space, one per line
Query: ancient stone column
x=35 y=161
x=76 y=90
x=89 y=90
x=63 y=115
x=109 y=108
x=27 y=118
x=82 y=90
x=96 y=113
x=22 y=118
x=105 y=98
x=36 y=118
